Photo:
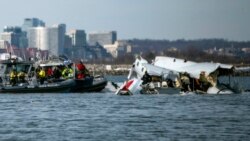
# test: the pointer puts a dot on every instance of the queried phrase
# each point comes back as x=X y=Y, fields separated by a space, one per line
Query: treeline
x=181 y=43
x=195 y=54
x=187 y=49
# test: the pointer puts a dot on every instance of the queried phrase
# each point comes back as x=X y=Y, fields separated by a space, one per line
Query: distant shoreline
x=123 y=69
x=102 y=69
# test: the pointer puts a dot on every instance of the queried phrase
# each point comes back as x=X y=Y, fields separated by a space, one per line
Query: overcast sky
x=143 y=19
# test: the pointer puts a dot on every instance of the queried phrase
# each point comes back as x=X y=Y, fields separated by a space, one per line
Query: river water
x=105 y=116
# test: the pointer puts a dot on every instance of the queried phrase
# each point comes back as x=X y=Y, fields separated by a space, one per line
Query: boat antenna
x=23 y=52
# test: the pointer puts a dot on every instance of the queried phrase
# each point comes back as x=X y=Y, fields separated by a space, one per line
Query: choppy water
x=105 y=116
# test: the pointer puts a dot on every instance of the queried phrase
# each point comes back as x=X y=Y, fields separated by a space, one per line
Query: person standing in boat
x=37 y=70
x=13 y=77
x=49 y=72
x=81 y=70
x=42 y=75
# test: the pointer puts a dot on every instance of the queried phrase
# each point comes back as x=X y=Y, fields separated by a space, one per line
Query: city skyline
x=142 y=19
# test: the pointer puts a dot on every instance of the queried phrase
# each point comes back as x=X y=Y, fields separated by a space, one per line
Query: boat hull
x=89 y=85
x=57 y=87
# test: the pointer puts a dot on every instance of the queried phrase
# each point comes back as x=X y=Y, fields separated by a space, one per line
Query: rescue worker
x=67 y=72
x=146 y=78
x=185 y=80
x=204 y=84
x=21 y=76
x=82 y=72
x=80 y=66
x=49 y=72
x=13 y=77
x=56 y=73
x=42 y=75
x=37 y=70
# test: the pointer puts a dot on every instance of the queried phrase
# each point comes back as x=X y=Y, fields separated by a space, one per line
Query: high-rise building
x=67 y=42
x=4 y=44
x=48 y=38
x=102 y=38
x=78 y=38
x=32 y=22
x=11 y=38
x=38 y=38
x=15 y=29
x=57 y=37
x=14 y=36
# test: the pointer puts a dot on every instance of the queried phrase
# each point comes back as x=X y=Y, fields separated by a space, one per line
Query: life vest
x=80 y=76
x=49 y=72
x=80 y=67
x=21 y=74
x=67 y=72
x=42 y=74
x=13 y=75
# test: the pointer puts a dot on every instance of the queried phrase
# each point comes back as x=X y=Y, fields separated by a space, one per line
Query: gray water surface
x=105 y=116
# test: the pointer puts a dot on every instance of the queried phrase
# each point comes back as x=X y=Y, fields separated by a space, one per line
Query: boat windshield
x=18 y=67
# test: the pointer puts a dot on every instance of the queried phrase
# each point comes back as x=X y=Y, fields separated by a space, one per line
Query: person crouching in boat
x=13 y=77
x=67 y=72
x=41 y=75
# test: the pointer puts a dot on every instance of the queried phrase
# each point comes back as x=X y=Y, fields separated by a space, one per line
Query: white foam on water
x=215 y=90
x=110 y=88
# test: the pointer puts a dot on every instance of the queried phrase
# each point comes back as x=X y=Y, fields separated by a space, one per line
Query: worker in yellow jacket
x=42 y=75
x=67 y=73
x=13 y=77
